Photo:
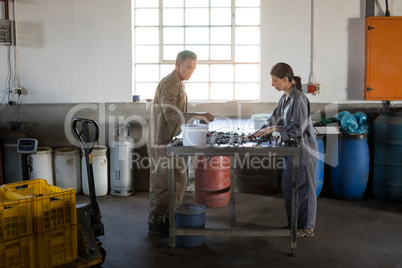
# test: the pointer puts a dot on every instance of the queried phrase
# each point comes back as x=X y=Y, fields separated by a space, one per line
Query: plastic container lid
x=43 y=150
x=66 y=150
x=260 y=116
x=354 y=136
x=190 y=209
x=194 y=126
x=97 y=151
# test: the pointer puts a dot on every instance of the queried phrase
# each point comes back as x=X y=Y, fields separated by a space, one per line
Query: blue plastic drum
x=387 y=170
x=319 y=167
x=349 y=178
x=190 y=216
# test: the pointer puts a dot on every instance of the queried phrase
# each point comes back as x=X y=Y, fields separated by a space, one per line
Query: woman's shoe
x=305 y=232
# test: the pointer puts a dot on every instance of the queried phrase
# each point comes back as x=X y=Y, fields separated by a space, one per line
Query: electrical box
x=5 y=32
x=383 y=59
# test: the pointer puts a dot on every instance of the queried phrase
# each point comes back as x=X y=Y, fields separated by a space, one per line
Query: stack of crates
x=16 y=238
x=54 y=221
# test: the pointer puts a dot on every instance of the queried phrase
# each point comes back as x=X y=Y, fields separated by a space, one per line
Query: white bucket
x=42 y=164
x=194 y=134
x=100 y=171
x=259 y=120
x=67 y=166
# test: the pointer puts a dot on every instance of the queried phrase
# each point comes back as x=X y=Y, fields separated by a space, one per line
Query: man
x=169 y=112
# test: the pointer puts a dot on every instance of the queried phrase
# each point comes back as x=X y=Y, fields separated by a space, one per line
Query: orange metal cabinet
x=383 y=59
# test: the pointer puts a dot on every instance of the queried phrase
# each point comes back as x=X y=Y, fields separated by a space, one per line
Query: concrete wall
x=72 y=51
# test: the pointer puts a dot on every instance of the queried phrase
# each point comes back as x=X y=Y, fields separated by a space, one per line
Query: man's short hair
x=185 y=54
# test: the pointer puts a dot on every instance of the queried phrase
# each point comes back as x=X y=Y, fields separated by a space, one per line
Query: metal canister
x=121 y=168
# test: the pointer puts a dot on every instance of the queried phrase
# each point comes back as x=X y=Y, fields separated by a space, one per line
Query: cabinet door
x=383 y=58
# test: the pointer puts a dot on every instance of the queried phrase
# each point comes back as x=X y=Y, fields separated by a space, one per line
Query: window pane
x=170 y=52
x=147 y=36
x=221 y=35
x=197 y=3
x=201 y=73
x=221 y=91
x=247 y=35
x=247 y=53
x=197 y=91
x=205 y=27
x=247 y=16
x=201 y=51
x=145 y=90
x=146 y=17
x=221 y=16
x=221 y=53
x=147 y=73
x=173 y=35
x=146 y=3
x=222 y=73
x=246 y=73
x=173 y=16
x=172 y=3
x=221 y=3
x=166 y=69
x=197 y=35
x=147 y=54
x=247 y=3
x=246 y=91
x=197 y=16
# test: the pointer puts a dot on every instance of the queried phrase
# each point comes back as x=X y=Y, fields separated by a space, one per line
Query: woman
x=292 y=120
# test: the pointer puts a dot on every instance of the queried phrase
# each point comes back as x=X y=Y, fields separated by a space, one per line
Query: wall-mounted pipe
x=5 y=9
x=370 y=8
x=387 y=14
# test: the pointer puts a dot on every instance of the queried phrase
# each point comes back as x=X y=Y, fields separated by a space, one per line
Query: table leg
x=171 y=185
x=232 y=198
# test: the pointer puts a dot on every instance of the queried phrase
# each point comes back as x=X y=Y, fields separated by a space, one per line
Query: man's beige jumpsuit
x=169 y=112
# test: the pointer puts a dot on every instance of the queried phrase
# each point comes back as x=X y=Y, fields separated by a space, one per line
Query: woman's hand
x=264 y=131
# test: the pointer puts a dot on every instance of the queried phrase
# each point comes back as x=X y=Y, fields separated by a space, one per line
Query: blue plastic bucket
x=319 y=167
x=349 y=178
x=387 y=170
x=190 y=216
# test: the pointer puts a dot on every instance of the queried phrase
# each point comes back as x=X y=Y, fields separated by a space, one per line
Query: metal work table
x=293 y=152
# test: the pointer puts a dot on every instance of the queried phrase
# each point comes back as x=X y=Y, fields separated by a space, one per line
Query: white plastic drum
x=42 y=164
x=259 y=120
x=100 y=171
x=67 y=164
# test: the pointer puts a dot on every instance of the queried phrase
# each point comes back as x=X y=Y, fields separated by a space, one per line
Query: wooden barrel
x=212 y=181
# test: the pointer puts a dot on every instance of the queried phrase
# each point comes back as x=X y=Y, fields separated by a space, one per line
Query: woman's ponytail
x=298 y=84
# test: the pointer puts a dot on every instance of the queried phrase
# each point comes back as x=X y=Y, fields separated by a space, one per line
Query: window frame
x=208 y=62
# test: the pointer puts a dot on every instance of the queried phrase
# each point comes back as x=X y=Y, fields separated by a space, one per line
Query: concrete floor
x=365 y=233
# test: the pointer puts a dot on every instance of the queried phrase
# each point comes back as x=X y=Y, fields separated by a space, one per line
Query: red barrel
x=212 y=181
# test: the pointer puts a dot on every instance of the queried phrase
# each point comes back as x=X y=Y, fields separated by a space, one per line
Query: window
x=225 y=35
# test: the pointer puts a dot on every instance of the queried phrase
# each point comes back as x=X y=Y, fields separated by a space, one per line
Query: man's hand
x=207 y=117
